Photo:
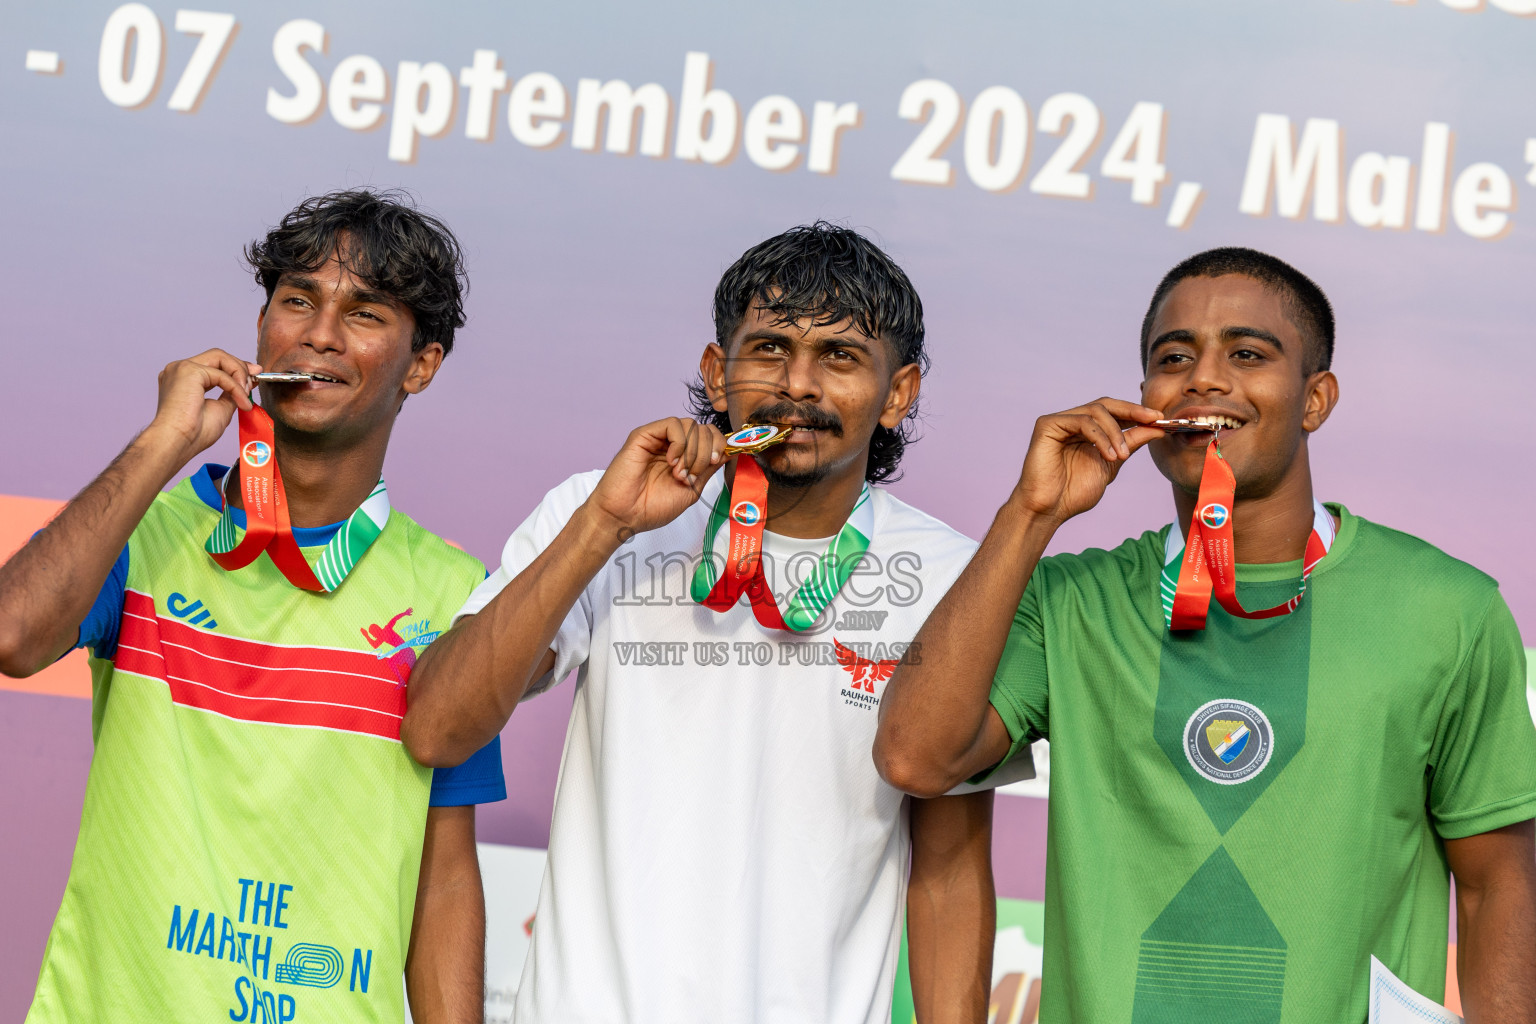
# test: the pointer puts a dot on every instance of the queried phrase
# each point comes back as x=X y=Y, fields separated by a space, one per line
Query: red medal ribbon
x=1209 y=559
x=267 y=527
x=743 y=569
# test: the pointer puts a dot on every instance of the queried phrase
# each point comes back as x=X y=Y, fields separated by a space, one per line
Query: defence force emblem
x=1228 y=741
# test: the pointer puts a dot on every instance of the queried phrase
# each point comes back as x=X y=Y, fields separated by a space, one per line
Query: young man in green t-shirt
x=255 y=843
x=1245 y=808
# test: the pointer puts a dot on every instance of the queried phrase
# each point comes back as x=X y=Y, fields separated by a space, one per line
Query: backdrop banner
x=1035 y=168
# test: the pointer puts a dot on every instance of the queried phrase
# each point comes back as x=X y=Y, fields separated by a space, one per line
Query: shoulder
x=1399 y=558
x=567 y=496
x=431 y=552
x=901 y=526
x=1098 y=568
x=176 y=512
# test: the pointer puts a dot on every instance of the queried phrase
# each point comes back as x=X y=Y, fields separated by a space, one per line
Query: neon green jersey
x=1241 y=817
x=251 y=837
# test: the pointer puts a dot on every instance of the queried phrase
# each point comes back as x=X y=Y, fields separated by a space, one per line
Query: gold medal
x=753 y=439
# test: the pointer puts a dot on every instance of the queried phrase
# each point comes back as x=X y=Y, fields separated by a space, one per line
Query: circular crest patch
x=256 y=453
x=746 y=513
x=1228 y=741
x=751 y=435
x=1214 y=515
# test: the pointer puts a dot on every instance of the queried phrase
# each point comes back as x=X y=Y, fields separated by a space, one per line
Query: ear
x=1322 y=396
x=712 y=370
x=424 y=365
x=902 y=396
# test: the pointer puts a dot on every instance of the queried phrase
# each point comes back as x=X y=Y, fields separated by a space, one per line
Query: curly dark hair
x=390 y=245
x=1305 y=304
x=826 y=274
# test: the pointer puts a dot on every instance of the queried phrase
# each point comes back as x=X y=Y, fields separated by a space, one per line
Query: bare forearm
x=48 y=586
x=951 y=909
x=445 y=966
x=469 y=681
x=933 y=711
x=1496 y=955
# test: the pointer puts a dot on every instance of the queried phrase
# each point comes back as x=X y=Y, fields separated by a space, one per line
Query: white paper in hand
x=1393 y=1002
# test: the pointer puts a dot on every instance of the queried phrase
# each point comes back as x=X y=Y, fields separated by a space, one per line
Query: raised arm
x=937 y=728
x=47 y=588
x=466 y=685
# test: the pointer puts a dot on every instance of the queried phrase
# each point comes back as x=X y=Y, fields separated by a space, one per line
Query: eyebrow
x=1227 y=334
x=839 y=340
x=304 y=283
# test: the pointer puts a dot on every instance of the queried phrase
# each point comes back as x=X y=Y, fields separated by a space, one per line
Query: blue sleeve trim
x=477 y=781
x=99 y=630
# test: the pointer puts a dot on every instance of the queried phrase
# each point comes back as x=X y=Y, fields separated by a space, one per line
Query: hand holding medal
x=1074 y=455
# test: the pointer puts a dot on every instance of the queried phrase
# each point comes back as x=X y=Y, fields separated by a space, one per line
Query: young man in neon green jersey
x=256 y=845
x=1242 y=812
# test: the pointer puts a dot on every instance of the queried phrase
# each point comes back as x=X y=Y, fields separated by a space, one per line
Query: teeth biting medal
x=290 y=378
x=752 y=439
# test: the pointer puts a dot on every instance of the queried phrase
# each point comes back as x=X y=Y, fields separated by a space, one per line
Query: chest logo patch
x=1228 y=741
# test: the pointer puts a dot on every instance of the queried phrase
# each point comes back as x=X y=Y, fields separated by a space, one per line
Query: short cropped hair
x=382 y=239
x=1305 y=304
x=826 y=274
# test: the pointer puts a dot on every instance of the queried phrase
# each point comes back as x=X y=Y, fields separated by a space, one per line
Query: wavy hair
x=825 y=274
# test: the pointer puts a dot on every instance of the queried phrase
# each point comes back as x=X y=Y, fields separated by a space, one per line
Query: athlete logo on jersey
x=746 y=513
x=866 y=672
x=1228 y=741
x=399 y=646
x=256 y=453
x=750 y=435
x=1214 y=515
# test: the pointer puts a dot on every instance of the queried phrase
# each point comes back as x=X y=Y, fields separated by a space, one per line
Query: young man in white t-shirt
x=722 y=847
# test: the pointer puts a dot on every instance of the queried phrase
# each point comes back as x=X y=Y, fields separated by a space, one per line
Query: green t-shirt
x=1241 y=817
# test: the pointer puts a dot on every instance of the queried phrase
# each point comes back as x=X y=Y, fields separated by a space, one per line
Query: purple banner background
x=592 y=274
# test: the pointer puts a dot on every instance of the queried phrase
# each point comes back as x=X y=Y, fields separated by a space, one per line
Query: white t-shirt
x=723 y=851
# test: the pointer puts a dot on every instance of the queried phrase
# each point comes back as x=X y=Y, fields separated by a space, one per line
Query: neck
x=815 y=511
x=1267 y=528
x=324 y=484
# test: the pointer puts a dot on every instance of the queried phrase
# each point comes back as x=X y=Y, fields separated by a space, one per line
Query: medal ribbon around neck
x=745 y=505
x=266 y=517
x=1206 y=563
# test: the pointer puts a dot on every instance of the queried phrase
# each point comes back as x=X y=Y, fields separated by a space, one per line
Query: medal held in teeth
x=752 y=439
x=1203 y=424
x=290 y=378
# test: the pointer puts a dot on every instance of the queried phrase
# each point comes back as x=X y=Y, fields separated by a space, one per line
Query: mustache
x=813 y=416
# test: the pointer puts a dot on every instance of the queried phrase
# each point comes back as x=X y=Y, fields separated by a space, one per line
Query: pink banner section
x=19 y=519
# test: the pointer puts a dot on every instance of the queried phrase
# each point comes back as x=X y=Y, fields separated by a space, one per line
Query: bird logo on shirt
x=866 y=672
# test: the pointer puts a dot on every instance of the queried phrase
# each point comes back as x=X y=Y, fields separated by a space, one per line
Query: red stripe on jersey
x=317 y=687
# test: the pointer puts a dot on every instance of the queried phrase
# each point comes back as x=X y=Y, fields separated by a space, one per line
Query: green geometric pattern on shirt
x=1212 y=955
x=1261 y=661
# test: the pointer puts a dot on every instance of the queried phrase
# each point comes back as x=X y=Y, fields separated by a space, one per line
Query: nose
x=323 y=332
x=1210 y=374
x=802 y=376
